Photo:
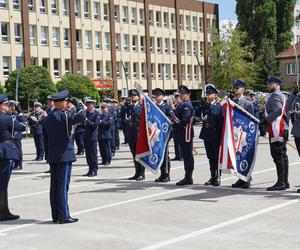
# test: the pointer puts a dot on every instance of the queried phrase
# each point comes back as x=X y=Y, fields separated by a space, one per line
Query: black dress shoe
x=277 y=187
x=92 y=174
x=175 y=159
x=17 y=167
x=133 y=178
x=39 y=159
x=246 y=185
x=238 y=184
x=106 y=163
x=47 y=172
x=159 y=179
x=54 y=220
x=87 y=174
x=165 y=179
x=140 y=178
x=8 y=216
x=81 y=153
x=287 y=185
x=184 y=182
x=298 y=190
x=209 y=182
x=69 y=220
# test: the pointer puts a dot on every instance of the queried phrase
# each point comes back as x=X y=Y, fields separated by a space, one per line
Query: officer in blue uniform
x=184 y=127
x=35 y=122
x=58 y=125
x=113 y=113
x=104 y=134
x=255 y=103
x=124 y=113
x=90 y=137
x=16 y=111
x=133 y=125
x=9 y=153
x=116 y=113
x=211 y=132
x=239 y=88
x=159 y=95
x=79 y=138
x=178 y=154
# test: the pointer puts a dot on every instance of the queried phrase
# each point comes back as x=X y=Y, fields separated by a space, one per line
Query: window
x=117 y=41
x=160 y=71
x=142 y=16
x=55 y=36
x=89 y=68
x=78 y=38
x=144 y=70
x=173 y=21
x=167 y=72
x=126 y=69
x=152 y=44
x=56 y=67
x=158 y=18
x=133 y=15
x=189 y=72
x=118 y=69
x=4 y=32
x=195 y=28
x=142 y=43
x=45 y=63
x=34 y=61
x=96 y=10
x=43 y=5
x=181 y=24
x=117 y=13
x=18 y=33
x=99 y=65
x=125 y=42
x=182 y=46
x=67 y=66
x=54 y=7
x=67 y=38
x=151 y=17
x=152 y=70
x=167 y=45
x=196 y=72
x=208 y=21
x=97 y=40
x=135 y=70
x=201 y=48
x=200 y=24
x=166 y=19
x=173 y=46
x=87 y=39
x=134 y=43
x=290 y=69
x=44 y=35
x=105 y=11
x=79 y=67
x=6 y=65
x=125 y=14
x=87 y=9
x=30 y=5
x=19 y=62
x=77 y=8
x=107 y=40
x=108 y=69
x=188 y=22
x=65 y=7
x=174 y=71
x=158 y=44
x=182 y=71
x=195 y=48
x=16 y=4
x=32 y=34
x=3 y=3
x=188 y=47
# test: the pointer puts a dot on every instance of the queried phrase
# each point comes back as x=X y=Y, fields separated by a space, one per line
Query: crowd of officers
x=67 y=120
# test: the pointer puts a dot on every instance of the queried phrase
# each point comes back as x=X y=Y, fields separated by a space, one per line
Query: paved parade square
x=115 y=213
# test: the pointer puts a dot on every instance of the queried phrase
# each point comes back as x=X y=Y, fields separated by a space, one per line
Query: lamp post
x=295 y=50
x=18 y=76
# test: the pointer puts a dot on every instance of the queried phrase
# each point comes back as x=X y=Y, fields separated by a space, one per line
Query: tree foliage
x=2 y=89
x=35 y=83
x=230 y=60
x=79 y=86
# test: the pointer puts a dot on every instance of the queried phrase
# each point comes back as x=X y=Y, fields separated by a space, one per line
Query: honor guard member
x=79 y=138
x=9 y=153
x=61 y=155
x=104 y=134
x=124 y=113
x=15 y=110
x=211 y=132
x=116 y=113
x=178 y=155
x=275 y=118
x=133 y=125
x=184 y=128
x=255 y=103
x=35 y=123
x=239 y=88
x=90 y=137
x=113 y=113
x=159 y=95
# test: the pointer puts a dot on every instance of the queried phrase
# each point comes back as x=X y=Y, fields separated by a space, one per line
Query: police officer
x=35 y=122
x=9 y=153
x=133 y=125
x=90 y=137
x=58 y=126
x=239 y=88
x=105 y=126
x=116 y=113
x=255 y=103
x=184 y=127
x=275 y=118
x=211 y=132
x=16 y=111
x=79 y=138
x=159 y=95
x=124 y=113
x=178 y=155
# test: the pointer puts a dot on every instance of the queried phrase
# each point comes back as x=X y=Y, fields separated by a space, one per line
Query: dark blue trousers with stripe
x=5 y=173
x=59 y=187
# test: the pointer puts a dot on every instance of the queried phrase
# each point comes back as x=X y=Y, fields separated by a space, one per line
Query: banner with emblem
x=154 y=133
x=239 y=141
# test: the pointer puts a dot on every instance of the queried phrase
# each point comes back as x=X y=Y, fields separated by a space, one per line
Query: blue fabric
x=5 y=173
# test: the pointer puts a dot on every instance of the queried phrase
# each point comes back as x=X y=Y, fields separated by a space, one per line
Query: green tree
x=35 y=83
x=230 y=60
x=2 y=89
x=79 y=86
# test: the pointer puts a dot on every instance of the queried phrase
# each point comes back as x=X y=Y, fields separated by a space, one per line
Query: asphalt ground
x=115 y=213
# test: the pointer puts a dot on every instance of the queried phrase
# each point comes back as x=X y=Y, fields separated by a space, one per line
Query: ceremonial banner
x=239 y=141
x=154 y=133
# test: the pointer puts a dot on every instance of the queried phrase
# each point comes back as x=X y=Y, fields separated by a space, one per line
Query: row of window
x=133 y=70
x=123 y=14
x=125 y=43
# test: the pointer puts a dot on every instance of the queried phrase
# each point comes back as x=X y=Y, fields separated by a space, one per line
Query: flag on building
x=239 y=141
x=154 y=133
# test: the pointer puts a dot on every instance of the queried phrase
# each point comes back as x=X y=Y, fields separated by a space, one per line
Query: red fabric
x=142 y=144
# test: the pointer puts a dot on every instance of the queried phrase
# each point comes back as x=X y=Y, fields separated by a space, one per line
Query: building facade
x=157 y=43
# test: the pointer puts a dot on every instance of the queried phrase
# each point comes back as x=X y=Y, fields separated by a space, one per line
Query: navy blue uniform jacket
x=184 y=112
x=91 y=125
x=105 y=126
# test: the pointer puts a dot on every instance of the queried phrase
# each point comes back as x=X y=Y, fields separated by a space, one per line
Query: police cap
x=183 y=89
x=273 y=79
x=133 y=92
x=239 y=84
x=61 y=96
x=158 y=92
x=3 y=98
x=210 y=88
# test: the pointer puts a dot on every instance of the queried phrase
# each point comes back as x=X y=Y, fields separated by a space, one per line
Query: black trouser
x=113 y=141
x=280 y=158
x=105 y=149
x=297 y=141
x=91 y=154
x=5 y=173
x=125 y=135
x=166 y=166
x=212 y=152
x=178 y=153
x=59 y=187
x=187 y=154
x=39 y=145
x=117 y=138
x=18 y=143
x=79 y=141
